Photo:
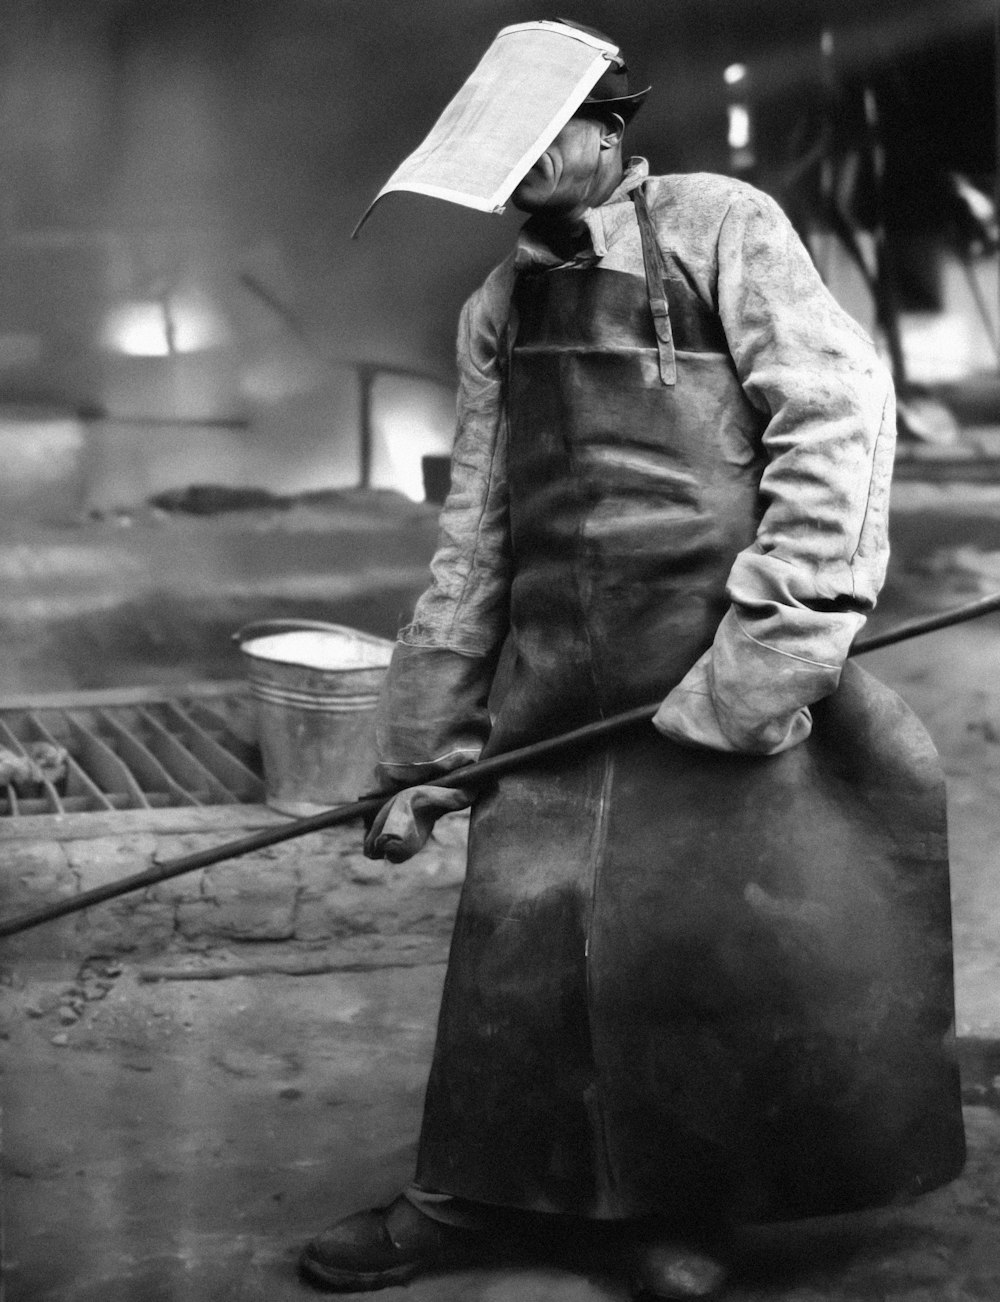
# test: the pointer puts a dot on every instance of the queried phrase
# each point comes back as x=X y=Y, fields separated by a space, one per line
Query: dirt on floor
x=176 y=1123
x=187 y=1133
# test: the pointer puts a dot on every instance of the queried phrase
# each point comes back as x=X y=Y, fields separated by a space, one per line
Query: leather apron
x=681 y=982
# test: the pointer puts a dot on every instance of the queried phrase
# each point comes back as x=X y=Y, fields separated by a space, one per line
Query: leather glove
x=403 y=824
x=752 y=711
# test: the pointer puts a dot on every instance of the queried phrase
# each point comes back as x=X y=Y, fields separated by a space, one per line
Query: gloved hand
x=757 y=705
x=403 y=824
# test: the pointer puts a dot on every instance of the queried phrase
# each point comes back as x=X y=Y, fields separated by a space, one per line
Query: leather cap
x=612 y=91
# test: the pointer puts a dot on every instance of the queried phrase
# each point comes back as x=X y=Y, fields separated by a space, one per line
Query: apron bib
x=681 y=982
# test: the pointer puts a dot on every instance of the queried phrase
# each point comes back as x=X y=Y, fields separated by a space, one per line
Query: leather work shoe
x=379 y=1248
x=675 y=1272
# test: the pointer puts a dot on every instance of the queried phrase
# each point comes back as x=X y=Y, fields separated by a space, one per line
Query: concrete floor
x=179 y=1139
x=192 y=1133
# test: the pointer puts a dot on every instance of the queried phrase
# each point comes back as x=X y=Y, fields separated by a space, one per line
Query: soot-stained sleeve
x=802 y=591
x=432 y=715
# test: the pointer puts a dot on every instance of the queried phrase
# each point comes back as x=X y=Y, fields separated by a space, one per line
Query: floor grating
x=99 y=755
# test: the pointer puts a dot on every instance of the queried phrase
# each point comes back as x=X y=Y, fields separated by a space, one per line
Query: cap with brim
x=612 y=90
x=625 y=105
x=529 y=83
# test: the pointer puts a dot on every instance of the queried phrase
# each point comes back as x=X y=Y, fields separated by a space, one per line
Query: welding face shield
x=527 y=86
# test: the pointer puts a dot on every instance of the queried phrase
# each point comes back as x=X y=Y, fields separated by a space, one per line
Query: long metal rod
x=474 y=775
x=928 y=624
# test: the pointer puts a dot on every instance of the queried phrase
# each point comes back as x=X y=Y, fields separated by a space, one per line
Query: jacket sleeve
x=432 y=714
x=802 y=591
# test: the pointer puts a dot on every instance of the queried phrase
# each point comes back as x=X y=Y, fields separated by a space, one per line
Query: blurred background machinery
x=179 y=300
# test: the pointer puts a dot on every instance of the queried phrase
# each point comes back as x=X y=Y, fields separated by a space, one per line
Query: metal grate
x=195 y=750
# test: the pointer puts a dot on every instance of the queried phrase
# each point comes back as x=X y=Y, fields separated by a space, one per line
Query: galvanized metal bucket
x=315 y=687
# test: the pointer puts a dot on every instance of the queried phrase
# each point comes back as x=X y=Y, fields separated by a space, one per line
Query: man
x=701 y=974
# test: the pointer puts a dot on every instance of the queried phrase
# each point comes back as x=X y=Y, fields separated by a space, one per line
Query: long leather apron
x=681 y=982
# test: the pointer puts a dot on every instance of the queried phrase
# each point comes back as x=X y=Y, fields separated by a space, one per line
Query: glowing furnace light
x=413 y=420
x=155 y=328
x=138 y=329
x=739 y=126
x=940 y=347
x=734 y=74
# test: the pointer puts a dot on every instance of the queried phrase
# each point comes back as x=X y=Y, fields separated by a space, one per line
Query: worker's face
x=573 y=170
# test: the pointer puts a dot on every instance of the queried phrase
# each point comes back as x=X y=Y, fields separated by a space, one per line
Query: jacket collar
x=600 y=227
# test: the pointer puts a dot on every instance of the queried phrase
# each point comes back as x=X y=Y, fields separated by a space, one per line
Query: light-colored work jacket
x=707 y=971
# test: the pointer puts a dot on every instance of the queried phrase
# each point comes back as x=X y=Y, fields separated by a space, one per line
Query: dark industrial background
x=215 y=408
x=181 y=177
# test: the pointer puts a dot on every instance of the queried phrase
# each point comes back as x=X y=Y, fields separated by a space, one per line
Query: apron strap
x=655 y=275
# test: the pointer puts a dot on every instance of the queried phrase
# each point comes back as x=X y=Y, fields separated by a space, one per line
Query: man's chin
x=531 y=198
